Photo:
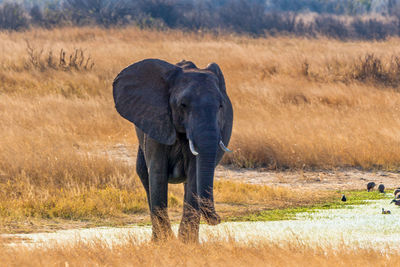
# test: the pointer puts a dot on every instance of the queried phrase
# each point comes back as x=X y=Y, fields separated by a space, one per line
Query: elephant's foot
x=188 y=234
x=161 y=228
x=162 y=235
x=209 y=213
x=189 y=228
x=212 y=218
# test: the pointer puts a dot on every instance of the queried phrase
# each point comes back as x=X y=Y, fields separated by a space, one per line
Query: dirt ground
x=339 y=179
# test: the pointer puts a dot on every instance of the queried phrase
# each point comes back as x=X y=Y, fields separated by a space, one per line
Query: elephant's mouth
x=221 y=145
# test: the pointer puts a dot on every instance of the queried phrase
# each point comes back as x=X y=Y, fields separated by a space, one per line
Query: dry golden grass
x=298 y=103
x=54 y=164
x=215 y=253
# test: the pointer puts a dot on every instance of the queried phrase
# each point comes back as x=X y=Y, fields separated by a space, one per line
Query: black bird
x=344 y=199
x=396 y=199
x=385 y=211
x=381 y=188
x=396 y=202
x=370 y=186
x=396 y=191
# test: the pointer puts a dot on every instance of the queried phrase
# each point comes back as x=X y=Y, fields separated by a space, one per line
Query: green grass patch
x=353 y=198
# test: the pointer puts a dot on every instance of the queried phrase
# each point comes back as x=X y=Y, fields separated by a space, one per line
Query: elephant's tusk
x=191 y=146
x=224 y=148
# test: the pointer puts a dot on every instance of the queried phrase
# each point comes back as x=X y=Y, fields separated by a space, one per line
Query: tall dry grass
x=215 y=253
x=298 y=103
x=57 y=161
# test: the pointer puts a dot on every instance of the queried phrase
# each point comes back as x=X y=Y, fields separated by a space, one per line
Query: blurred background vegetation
x=342 y=19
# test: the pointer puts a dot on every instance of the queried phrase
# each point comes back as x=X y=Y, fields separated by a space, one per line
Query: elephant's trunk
x=206 y=161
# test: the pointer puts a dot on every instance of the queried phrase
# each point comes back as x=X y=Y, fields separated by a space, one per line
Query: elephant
x=183 y=119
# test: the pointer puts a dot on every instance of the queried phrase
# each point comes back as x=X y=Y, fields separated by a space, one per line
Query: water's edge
x=361 y=225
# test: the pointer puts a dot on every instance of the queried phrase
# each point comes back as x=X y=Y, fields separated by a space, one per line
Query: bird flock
x=381 y=189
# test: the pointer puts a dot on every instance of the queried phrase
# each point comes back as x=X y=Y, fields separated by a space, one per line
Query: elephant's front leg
x=158 y=189
x=189 y=227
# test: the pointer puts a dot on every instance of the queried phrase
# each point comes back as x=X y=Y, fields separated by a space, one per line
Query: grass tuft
x=353 y=198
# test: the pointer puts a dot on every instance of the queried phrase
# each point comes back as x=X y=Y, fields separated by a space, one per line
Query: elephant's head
x=163 y=99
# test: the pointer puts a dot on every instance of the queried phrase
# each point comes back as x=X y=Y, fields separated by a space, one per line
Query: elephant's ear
x=228 y=110
x=213 y=67
x=141 y=95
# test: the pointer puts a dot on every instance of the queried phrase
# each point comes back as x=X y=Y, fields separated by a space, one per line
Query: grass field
x=173 y=253
x=299 y=103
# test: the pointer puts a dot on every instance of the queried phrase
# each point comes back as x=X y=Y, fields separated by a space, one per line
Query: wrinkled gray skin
x=170 y=104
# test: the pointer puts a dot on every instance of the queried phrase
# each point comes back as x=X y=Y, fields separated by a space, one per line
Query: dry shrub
x=77 y=60
x=373 y=69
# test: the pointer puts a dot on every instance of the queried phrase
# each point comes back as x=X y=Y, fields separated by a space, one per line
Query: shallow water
x=358 y=226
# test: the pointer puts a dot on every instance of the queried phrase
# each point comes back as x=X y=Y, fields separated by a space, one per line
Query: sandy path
x=340 y=179
x=345 y=179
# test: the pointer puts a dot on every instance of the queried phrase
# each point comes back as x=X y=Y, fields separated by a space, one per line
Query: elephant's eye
x=220 y=106
x=183 y=105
